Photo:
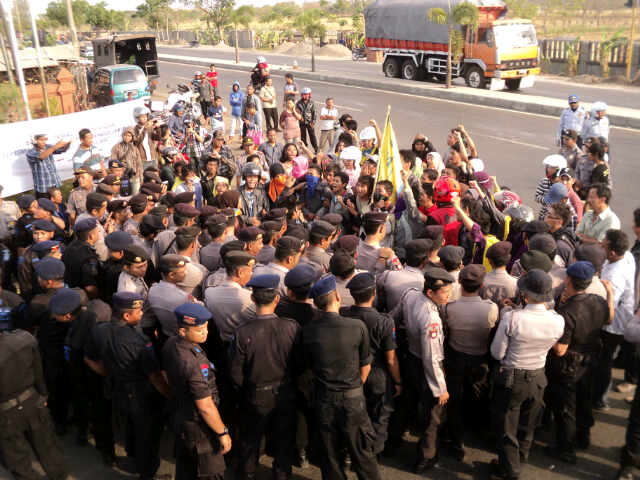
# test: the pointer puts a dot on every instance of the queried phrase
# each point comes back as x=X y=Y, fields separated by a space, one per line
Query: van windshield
x=515 y=36
x=132 y=75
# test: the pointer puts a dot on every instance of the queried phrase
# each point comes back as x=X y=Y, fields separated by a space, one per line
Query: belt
x=519 y=372
x=14 y=402
x=269 y=386
x=350 y=393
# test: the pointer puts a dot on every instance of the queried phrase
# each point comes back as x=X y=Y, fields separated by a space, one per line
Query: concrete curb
x=529 y=104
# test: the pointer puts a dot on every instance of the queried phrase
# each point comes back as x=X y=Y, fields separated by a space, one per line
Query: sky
x=41 y=5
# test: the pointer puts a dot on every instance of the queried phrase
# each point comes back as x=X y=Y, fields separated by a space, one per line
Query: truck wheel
x=391 y=67
x=513 y=83
x=410 y=71
x=475 y=77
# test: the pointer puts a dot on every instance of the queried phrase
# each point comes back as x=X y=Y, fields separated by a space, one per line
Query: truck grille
x=511 y=64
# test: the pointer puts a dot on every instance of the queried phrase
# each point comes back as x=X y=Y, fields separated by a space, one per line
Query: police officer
x=521 y=344
x=337 y=350
x=219 y=227
x=131 y=278
x=383 y=382
x=26 y=424
x=343 y=267
x=42 y=230
x=570 y=364
x=469 y=321
x=120 y=351
x=80 y=258
x=288 y=252
x=200 y=434
x=320 y=238
x=420 y=327
x=572 y=118
x=265 y=360
x=371 y=256
x=498 y=285
x=116 y=242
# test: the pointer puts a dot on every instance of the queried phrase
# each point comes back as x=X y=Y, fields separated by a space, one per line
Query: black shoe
x=624 y=474
x=497 y=473
x=423 y=465
x=302 y=459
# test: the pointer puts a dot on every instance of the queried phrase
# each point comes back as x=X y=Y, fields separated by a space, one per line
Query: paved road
x=547 y=87
x=512 y=143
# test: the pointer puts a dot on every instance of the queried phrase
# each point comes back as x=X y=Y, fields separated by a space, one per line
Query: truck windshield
x=515 y=36
x=132 y=75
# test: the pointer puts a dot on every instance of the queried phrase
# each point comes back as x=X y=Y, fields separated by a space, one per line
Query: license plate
x=132 y=93
x=522 y=72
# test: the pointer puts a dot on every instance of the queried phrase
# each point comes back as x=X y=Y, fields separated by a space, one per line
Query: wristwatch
x=224 y=432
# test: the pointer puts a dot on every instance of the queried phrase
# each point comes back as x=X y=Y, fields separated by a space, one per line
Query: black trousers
x=517 y=406
x=406 y=410
x=378 y=392
x=342 y=419
x=80 y=392
x=630 y=455
x=271 y=412
x=205 y=104
x=602 y=371
x=56 y=376
x=28 y=430
x=466 y=379
x=271 y=117
x=570 y=402
x=197 y=453
x=305 y=129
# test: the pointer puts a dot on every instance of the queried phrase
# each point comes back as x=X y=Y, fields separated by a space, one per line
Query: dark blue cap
x=64 y=301
x=118 y=240
x=324 y=286
x=127 y=300
x=25 y=201
x=85 y=225
x=49 y=268
x=573 y=98
x=582 y=270
x=361 y=281
x=46 y=247
x=299 y=276
x=44 y=225
x=192 y=315
x=47 y=205
x=268 y=280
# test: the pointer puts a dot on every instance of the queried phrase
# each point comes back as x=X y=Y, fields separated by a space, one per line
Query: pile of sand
x=284 y=47
x=304 y=49
x=334 y=50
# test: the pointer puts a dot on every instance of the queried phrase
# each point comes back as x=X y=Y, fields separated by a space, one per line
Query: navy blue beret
x=192 y=314
x=582 y=270
x=362 y=281
x=85 y=225
x=64 y=301
x=47 y=205
x=118 y=240
x=44 y=225
x=43 y=248
x=324 y=286
x=267 y=280
x=25 y=201
x=49 y=268
x=299 y=276
x=127 y=300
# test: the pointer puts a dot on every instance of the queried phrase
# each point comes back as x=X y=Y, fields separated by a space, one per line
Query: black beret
x=289 y=245
x=48 y=205
x=535 y=259
x=45 y=248
x=187 y=210
x=361 y=281
x=127 y=300
x=169 y=199
x=418 y=248
x=435 y=277
x=276 y=213
x=272 y=225
x=95 y=200
x=297 y=231
x=249 y=234
x=188 y=232
x=184 y=197
x=151 y=188
x=334 y=219
x=341 y=263
x=116 y=205
x=25 y=201
x=375 y=218
x=159 y=210
x=104 y=189
x=301 y=275
x=347 y=243
x=118 y=240
x=111 y=179
x=85 y=225
x=170 y=262
x=153 y=223
x=535 y=226
x=44 y=225
x=473 y=273
x=49 y=268
x=451 y=254
x=543 y=242
x=138 y=201
x=320 y=227
x=238 y=258
x=135 y=254
x=217 y=219
x=499 y=250
x=231 y=246
x=207 y=210
x=64 y=301
x=536 y=281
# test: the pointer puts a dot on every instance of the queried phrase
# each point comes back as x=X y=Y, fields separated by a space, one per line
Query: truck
x=499 y=52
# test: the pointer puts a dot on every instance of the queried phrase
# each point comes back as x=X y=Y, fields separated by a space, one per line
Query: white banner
x=106 y=124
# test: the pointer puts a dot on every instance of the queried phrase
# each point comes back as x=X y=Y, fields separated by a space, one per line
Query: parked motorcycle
x=185 y=96
x=358 y=54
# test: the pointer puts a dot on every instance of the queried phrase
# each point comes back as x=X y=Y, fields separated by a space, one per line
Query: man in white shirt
x=328 y=117
x=619 y=270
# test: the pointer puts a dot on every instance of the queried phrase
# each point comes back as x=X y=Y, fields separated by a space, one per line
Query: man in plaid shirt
x=43 y=166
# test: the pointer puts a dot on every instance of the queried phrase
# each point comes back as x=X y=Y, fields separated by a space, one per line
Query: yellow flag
x=389 y=164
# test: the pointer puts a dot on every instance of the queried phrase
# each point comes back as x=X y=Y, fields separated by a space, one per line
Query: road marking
x=341 y=106
x=435 y=99
x=502 y=139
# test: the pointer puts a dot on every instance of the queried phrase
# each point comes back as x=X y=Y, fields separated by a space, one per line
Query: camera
x=378 y=196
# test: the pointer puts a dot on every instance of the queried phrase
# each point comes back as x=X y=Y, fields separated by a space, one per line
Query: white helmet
x=140 y=111
x=555 y=160
x=599 y=107
x=305 y=91
x=368 y=133
x=261 y=60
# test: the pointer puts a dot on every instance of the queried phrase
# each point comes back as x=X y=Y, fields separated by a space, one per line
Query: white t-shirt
x=328 y=124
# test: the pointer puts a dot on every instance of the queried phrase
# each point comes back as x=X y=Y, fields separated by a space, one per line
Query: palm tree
x=311 y=26
x=240 y=16
x=465 y=14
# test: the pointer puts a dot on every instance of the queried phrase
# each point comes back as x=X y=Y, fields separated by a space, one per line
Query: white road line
x=341 y=107
x=435 y=99
x=502 y=139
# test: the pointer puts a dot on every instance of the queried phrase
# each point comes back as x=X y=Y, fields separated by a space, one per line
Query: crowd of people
x=283 y=290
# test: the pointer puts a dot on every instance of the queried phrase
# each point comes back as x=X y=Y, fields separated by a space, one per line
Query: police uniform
x=265 y=359
x=164 y=297
x=316 y=254
x=25 y=424
x=129 y=358
x=469 y=321
x=110 y=270
x=393 y=284
x=210 y=256
x=77 y=201
x=266 y=254
x=80 y=260
x=379 y=387
x=369 y=255
x=571 y=119
x=195 y=273
x=133 y=254
x=523 y=339
x=498 y=285
x=420 y=325
x=570 y=376
x=25 y=267
x=336 y=348
x=192 y=377
x=274 y=268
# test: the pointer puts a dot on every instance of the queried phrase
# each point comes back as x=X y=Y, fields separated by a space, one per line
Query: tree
x=56 y=12
x=240 y=16
x=465 y=14
x=607 y=44
x=311 y=26
x=154 y=12
x=522 y=9
x=216 y=12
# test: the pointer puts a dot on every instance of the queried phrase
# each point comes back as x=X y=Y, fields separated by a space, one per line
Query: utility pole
x=5 y=8
x=634 y=13
x=36 y=44
x=5 y=56
x=72 y=26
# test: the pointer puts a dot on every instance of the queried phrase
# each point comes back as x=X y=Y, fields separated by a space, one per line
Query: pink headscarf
x=300 y=166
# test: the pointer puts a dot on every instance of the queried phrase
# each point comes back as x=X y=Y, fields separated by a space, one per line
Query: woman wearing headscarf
x=129 y=154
